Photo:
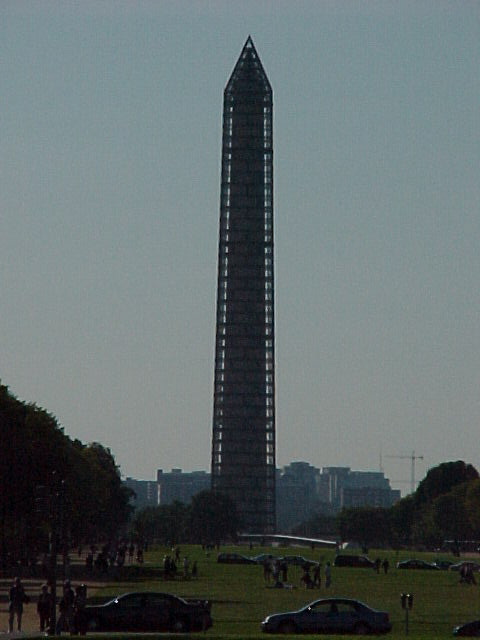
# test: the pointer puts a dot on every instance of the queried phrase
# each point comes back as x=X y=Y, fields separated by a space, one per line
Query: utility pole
x=412 y=459
x=57 y=508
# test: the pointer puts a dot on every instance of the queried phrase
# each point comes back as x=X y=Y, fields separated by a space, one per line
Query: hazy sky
x=110 y=138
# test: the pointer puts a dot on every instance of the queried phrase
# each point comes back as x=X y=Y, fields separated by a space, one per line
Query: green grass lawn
x=241 y=599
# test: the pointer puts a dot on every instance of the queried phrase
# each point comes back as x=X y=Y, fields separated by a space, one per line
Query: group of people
x=72 y=616
x=171 y=562
x=276 y=569
x=466 y=574
x=315 y=581
x=111 y=556
x=384 y=565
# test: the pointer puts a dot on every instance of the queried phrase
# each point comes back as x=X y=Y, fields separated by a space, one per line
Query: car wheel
x=180 y=625
x=287 y=627
x=361 y=629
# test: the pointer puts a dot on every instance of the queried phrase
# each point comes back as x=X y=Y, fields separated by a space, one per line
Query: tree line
x=210 y=518
x=445 y=506
x=51 y=482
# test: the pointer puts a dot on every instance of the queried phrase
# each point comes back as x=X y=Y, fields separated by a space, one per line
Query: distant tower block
x=243 y=443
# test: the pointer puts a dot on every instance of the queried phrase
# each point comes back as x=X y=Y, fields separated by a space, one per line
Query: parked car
x=148 y=611
x=263 y=557
x=330 y=615
x=234 y=558
x=299 y=561
x=353 y=561
x=442 y=564
x=416 y=564
x=469 y=629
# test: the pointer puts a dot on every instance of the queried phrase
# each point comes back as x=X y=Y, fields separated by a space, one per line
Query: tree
x=320 y=524
x=402 y=517
x=442 y=479
x=37 y=453
x=107 y=496
x=146 y=524
x=450 y=514
x=213 y=518
x=472 y=506
x=368 y=526
x=167 y=524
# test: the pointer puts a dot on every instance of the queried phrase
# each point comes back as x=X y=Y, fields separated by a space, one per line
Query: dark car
x=353 y=561
x=264 y=557
x=330 y=615
x=442 y=564
x=416 y=564
x=469 y=629
x=234 y=558
x=299 y=561
x=148 y=611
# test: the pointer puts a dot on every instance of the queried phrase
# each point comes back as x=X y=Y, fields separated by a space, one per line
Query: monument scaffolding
x=243 y=438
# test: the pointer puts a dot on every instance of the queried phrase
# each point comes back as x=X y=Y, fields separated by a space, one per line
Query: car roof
x=144 y=593
x=344 y=600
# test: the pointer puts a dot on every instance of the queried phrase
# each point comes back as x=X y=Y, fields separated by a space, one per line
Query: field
x=241 y=598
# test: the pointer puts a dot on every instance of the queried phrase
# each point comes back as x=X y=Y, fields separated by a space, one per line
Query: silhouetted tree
x=442 y=479
x=37 y=453
x=369 y=526
x=213 y=518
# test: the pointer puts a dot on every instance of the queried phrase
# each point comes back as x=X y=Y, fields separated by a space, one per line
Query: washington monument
x=243 y=438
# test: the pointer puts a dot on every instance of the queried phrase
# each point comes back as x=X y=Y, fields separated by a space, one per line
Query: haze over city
x=110 y=179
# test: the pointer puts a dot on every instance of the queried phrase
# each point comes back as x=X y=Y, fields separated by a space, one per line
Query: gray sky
x=110 y=125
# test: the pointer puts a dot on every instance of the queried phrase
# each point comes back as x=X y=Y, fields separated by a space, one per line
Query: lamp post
x=406 y=600
x=56 y=515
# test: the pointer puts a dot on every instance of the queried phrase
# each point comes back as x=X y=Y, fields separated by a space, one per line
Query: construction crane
x=412 y=458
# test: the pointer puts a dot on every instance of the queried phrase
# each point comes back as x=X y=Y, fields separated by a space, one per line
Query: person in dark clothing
x=80 y=615
x=306 y=579
x=66 y=607
x=17 y=598
x=44 y=607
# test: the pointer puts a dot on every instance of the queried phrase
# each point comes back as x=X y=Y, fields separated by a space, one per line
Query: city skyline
x=109 y=176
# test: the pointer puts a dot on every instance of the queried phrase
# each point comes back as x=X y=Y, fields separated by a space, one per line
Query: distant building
x=368 y=497
x=304 y=491
x=146 y=494
x=342 y=487
x=297 y=496
x=180 y=486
